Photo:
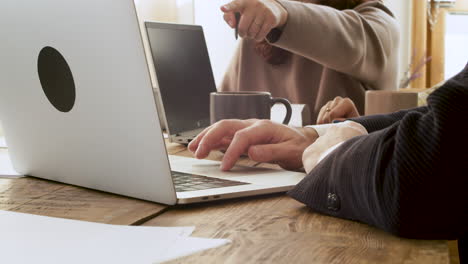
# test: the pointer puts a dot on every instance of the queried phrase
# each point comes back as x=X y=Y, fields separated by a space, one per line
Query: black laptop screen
x=184 y=74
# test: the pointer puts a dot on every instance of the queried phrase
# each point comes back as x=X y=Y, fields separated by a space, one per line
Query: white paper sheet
x=38 y=239
x=6 y=169
x=2 y=142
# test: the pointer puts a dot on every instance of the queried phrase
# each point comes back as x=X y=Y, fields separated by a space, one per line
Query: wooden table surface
x=270 y=228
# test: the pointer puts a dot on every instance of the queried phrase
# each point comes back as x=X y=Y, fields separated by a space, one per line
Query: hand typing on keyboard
x=262 y=140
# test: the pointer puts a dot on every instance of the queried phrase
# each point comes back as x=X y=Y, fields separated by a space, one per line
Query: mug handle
x=287 y=104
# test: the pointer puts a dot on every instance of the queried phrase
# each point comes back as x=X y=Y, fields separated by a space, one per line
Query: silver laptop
x=184 y=78
x=77 y=106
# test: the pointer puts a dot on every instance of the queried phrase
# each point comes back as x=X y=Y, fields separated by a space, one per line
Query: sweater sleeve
x=409 y=179
x=230 y=82
x=357 y=42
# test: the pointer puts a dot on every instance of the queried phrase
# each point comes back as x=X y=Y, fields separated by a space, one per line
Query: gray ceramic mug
x=245 y=105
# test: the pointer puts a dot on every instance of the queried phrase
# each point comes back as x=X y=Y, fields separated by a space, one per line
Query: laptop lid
x=76 y=101
x=184 y=75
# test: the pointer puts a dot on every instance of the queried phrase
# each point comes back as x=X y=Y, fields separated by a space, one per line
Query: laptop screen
x=184 y=74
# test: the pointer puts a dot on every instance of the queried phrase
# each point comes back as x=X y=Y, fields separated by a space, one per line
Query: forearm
x=367 y=186
x=405 y=179
x=355 y=43
x=310 y=133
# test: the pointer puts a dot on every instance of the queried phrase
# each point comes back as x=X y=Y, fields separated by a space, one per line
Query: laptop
x=77 y=106
x=184 y=78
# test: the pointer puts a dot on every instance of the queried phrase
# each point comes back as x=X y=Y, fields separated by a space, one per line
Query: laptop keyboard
x=185 y=182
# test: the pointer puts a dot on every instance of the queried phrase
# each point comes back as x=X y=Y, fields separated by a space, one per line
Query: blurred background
x=434 y=35
x=435 y=31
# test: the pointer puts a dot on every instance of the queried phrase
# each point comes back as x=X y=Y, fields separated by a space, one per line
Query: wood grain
x=174 y=148
x=432 y=40
x=42 y=197
x=453 y=252
x=266 y=229
x=419 y=40
x=436 y=43
x=278 y=229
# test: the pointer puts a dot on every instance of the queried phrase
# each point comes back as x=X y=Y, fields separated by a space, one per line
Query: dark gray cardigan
x=409 y=176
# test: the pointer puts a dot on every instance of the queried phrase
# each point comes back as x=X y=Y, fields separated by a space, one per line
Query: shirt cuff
x=321 y=129
x=328 y=151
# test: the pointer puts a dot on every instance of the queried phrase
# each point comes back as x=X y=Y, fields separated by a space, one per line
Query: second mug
x=245 y=105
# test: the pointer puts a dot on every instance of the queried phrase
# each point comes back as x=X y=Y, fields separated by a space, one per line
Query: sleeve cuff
x=321 y=129
x=328 y=151
x=274 y=35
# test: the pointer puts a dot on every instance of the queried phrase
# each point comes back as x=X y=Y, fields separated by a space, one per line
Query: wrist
x=310 y=133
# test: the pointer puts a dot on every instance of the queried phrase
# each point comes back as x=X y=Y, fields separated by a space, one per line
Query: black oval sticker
x=56 y=79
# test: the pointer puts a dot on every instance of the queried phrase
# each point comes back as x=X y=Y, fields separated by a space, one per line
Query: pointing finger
x=230 y=18
x=234 y=6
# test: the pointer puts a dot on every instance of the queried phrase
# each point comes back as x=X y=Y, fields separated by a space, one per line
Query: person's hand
x=338 y=109
x=336 y=134
x=258 y=17
x=262 y=140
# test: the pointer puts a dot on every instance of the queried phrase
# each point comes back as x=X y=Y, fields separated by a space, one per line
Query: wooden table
x=269 y=229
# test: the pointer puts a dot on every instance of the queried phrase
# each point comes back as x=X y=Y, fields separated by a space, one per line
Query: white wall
x=160 y=10
x=219 y=36
x=456 y=43
x=403 y=10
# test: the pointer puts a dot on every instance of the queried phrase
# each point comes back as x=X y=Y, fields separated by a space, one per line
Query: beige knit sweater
x=334 y=53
